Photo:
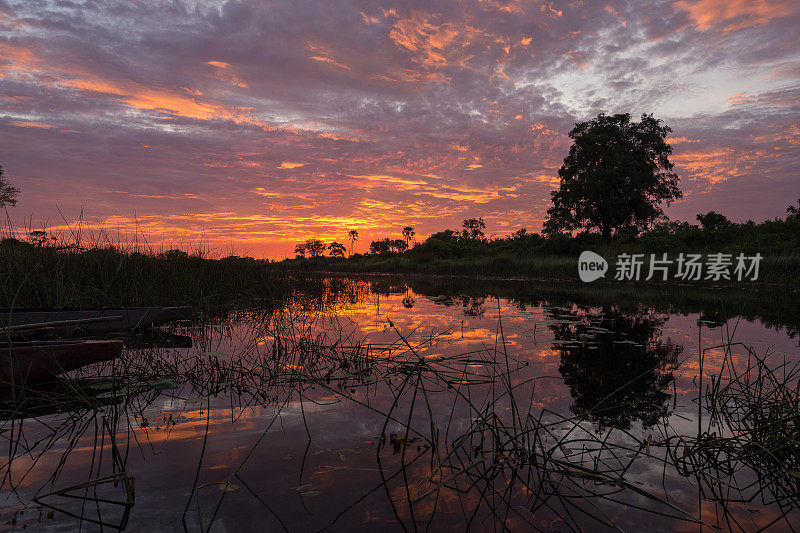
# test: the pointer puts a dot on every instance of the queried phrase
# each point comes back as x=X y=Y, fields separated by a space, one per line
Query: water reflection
x=471 y=306
x=618 y=366
x=372 y=405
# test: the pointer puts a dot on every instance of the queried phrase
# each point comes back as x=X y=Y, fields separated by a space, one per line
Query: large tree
x=336 y=249
x=8 y=193
x=312 y=247
x=616 y=176
x=315 y=247
x=473 y=228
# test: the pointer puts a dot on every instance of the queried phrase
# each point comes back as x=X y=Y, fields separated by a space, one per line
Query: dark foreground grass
x=51 y=277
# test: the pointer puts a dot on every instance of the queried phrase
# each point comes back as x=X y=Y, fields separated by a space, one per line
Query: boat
x=26 y=362
x=92 y=320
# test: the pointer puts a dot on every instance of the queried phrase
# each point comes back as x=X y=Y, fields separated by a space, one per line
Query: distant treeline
x=714 y=232
x=41 y=271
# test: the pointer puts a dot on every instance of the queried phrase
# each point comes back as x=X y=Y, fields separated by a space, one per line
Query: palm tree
x=353 y=236
x=408 y=233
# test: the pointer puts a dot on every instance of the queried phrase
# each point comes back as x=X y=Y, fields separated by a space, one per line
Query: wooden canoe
x=95 y=320
x=26 y=362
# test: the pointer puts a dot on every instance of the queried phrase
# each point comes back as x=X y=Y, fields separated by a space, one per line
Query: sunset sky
x=250 y=126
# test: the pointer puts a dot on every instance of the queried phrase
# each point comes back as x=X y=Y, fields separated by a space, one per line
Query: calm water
x=396 y=405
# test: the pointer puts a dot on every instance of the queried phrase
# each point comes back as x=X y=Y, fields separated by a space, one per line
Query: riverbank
x=34 y=276
x=773 y=270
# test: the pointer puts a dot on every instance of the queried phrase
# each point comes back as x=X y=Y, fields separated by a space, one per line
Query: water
x=415 y=404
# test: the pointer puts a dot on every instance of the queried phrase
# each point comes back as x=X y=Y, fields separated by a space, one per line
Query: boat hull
x=97 y=320
x=27 y=362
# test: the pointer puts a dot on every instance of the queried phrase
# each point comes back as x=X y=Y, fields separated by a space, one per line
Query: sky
x=244 y=127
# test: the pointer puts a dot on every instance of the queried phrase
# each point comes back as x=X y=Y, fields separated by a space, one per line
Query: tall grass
x=82 y=273
x=752 y=431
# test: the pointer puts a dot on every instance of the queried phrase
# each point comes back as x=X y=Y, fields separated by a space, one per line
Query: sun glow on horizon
x=383 y=118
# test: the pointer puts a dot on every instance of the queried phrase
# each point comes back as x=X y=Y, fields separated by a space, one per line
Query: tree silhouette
x=40 y=238
x=315 y=247
x=616 y=175
x=793 y=211
x=336 y=249
x=408 y=233
x=300 y=250
x=8 y=193
x=473 y=228
x=713 y=220
x=387 y=245
x=353 y=236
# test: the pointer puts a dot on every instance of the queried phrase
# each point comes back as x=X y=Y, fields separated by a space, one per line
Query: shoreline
x=557 y=269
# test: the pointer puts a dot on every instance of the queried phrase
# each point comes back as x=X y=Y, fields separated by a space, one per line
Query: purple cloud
x=254 y=126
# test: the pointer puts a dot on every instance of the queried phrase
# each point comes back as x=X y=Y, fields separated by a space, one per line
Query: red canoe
x=22 y=362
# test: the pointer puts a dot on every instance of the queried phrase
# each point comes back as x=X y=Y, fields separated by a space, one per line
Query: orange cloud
x=434 y=46
x=735 y=14
x=548 y=8
x=390 y=180
x=222 y=73
x=145 y=98
x=540 y=128
x=325 y=55
x=290 y=164
x=420 y=36
x=712 y=167
x=680 y=140
x=331 y=61
x=20 y=61
x=17 y=59
x=368 y=19
x=31 y=124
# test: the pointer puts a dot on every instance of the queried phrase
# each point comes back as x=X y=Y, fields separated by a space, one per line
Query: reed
x=463 y=429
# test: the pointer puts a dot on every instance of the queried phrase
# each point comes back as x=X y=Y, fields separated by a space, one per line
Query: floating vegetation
x=324 y=416
x=750 y=444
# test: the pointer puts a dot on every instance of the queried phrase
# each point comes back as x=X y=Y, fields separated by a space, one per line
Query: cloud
x=732 y=15
x=240 y=122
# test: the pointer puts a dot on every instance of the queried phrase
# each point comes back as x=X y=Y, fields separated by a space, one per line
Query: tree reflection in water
x=618 y=366
x=300 y=420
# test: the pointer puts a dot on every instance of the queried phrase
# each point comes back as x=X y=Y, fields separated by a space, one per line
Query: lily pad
x=164 y=383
